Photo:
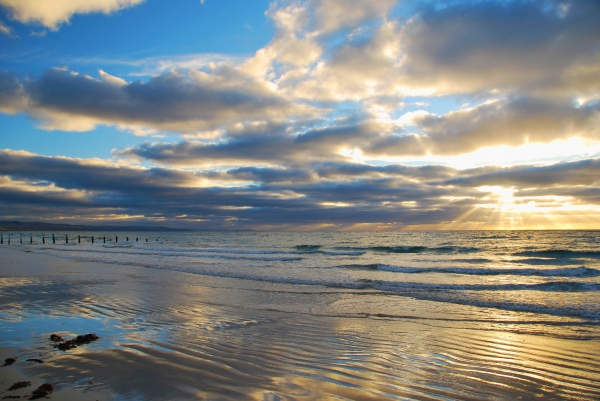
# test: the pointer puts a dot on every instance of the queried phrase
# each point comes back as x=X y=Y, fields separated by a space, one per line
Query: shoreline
x=175 y=335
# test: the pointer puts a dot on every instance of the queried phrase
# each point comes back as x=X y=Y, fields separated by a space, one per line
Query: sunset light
x=384 y=115
x=304 y=200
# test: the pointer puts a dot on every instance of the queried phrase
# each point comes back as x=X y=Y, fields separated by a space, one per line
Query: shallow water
x=550 y=275
x=451 y=315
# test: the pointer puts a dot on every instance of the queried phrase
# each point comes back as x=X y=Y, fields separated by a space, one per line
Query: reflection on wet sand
x=167 y=335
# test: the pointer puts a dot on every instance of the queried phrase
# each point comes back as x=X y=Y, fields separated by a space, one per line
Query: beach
x=179 y=335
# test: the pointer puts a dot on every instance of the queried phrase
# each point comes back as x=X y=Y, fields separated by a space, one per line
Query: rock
x=9 y=361
x=35 y=360
x=18 y=385
x=88 y=338
x=44 y=387
x=67 y=345
x=56 y=338
x=11 y=396
x=79 y=340
x=42 y=391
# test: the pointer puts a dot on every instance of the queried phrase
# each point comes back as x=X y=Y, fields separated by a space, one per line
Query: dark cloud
x=173 y=101
x=271 y=175
x=89 y=175
x=580 y=173
x=235 y=151
x=11 y=93
x=324 y=193
x=511 y=45
x=267 y=148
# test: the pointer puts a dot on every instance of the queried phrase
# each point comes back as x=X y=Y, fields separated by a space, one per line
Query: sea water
x=547 y=277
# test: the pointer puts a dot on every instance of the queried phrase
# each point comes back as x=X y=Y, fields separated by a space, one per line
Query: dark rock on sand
x=67 y=345
x=9 y=361
x=56 y=338
x=88 y=338
x=79 y=340
x=35 y=360
x=11 y=396
x=18 y=385
x=42 y=391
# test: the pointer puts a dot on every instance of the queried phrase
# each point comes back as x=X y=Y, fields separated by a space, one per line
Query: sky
x=301 y=115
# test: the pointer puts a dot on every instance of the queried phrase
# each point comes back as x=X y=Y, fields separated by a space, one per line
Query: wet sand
x=178 y=336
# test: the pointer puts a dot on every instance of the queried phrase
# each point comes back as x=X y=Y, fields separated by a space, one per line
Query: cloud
x=338 y=194
x=506 y=46
x=318 y=17
x=54 y=13
x=332 y=15
x=151 y=66
x=512 y=122
x=584 y=173
x=12 y=96
x=544 y=48
x=92 y=187
x=288 y=136
x=269 y=145
x=355 y=71
x=76 y=174
x=39 y=34
x=300 y=28
x=6 y=30
x=173 y=101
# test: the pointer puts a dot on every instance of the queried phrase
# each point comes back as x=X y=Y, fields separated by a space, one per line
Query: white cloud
x=39 y=34
x=56 y=12
x=332 y=15
x=291 y=17
x=6 y=29
x=465 y=48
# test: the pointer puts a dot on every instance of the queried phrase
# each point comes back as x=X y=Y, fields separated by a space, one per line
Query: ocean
x=426 y=315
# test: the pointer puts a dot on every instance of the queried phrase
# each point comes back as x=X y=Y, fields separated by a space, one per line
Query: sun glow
x=503 y=209
x=529 y=153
